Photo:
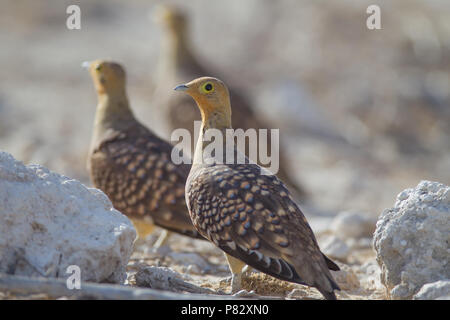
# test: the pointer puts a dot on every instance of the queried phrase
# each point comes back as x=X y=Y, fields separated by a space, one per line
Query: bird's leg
x=143 y=227
x=162 y=239
x=236 y=267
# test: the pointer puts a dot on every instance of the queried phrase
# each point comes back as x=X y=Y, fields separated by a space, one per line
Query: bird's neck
x=113 y=112
x=214 y=142
x=215 y=113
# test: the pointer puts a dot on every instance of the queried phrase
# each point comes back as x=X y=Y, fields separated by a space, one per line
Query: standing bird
x=131 y=164
x=179 y=64
x=244 y=209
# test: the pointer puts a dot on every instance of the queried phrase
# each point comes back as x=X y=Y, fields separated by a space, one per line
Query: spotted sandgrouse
x=244 y=209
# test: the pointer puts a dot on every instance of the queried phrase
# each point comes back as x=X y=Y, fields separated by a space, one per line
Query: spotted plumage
x=265 y=232
x=130 y=163
x=257 y=221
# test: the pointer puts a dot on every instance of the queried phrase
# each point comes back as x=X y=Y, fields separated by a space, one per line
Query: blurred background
x=363 y=114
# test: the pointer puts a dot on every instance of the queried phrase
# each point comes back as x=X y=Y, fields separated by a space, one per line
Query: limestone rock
x=412 y=239
x=334 y=247
x=49 y=222
x=439 y=290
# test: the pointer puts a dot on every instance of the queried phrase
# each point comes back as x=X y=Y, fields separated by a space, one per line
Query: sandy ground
x=207 y=267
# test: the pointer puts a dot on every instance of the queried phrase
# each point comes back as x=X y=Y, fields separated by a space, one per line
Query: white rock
x=49 y=222
x=347 y=225
x=439 y=290
x=334 y=247
x=412 y=240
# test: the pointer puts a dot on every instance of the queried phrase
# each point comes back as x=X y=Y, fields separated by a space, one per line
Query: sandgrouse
x=244 y=209
x=130 y=163
x=179 y=64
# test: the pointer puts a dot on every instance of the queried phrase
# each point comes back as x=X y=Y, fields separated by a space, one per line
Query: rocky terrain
x=363 y=115
x=49 y=223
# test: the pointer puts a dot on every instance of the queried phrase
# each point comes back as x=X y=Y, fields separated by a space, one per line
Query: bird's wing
x=253 y=218
x=135 y=170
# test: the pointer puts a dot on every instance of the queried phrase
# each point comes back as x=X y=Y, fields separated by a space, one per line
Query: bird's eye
x=98 y=67
x=208 y=87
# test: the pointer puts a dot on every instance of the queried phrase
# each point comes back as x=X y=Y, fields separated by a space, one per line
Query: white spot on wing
x=232 y=245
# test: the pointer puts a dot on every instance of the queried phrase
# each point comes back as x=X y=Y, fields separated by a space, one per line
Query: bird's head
x=170 y=17
x=108 y=76
x=213 y=100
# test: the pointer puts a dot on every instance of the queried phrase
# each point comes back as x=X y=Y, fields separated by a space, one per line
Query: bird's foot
x=225 y=281
x=236 y=282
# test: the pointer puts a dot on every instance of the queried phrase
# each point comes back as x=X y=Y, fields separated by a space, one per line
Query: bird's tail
x=327 y=287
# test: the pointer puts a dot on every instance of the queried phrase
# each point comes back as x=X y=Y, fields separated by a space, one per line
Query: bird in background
x=179 y=64
x=245 y=210
x=131 y=164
